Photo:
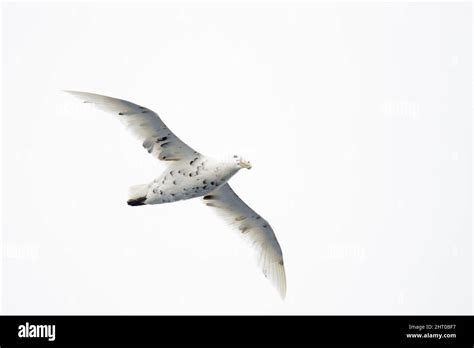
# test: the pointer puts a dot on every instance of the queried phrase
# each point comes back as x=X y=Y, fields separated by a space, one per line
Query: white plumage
x=190 y=174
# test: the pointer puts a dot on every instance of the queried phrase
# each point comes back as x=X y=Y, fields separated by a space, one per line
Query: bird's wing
x=254 y=229
x=156 y=138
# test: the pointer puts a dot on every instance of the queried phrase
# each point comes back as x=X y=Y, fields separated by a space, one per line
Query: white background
x=356 y=118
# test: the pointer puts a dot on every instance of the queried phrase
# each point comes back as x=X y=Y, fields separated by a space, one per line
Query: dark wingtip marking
x=208 y=197
x=137 y=201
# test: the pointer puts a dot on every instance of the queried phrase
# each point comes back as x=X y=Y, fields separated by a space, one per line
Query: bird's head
x=241 y=162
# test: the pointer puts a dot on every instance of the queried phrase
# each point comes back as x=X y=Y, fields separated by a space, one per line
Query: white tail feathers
x=137 y=194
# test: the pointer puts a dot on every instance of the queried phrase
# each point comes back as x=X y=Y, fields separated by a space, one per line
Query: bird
x=190 y=174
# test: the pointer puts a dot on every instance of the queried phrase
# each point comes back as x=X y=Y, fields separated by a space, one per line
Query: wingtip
x=68 y=91
x=72 y=93
x=278 y=278
x=282 y=291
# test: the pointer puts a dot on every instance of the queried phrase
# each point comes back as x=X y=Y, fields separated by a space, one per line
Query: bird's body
x=184 y=180
x=190 y=174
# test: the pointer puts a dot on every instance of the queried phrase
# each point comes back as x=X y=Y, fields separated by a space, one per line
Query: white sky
x=356 y=118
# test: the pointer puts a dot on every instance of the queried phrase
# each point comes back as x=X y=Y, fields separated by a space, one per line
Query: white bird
x=190 y=174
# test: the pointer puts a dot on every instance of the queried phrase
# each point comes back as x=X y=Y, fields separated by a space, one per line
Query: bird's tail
x=137 y=194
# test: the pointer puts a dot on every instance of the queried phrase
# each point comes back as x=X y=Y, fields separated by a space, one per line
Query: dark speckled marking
x=159 y=140
x=210 y=205
x=265 y=226
x=280 y=262
x=144 y=112
x=120 y=113
x=204 y=182
x=174 y=182
x=141 y=108
x=165 y=145
x=258 y=217
x=209 y=197
x=204 y=187
x=243 y=229
x=190 y=174
x=212 y=182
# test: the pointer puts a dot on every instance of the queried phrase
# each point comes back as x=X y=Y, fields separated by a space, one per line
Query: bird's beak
x=245 y=164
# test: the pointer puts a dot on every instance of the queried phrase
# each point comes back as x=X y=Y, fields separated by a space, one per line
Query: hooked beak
x=245 y=164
